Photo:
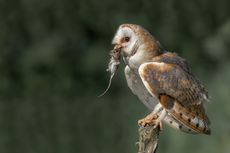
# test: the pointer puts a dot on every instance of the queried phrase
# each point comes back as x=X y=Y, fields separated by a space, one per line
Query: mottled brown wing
x=192 y=118
x=179 y=93
x=171 y=79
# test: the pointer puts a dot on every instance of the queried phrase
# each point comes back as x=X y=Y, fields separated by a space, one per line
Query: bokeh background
x=53 y=56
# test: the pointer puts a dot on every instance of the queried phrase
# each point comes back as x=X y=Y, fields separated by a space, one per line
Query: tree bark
x=148 y=138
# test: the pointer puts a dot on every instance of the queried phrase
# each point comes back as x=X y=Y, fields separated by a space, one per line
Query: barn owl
x=163 y=81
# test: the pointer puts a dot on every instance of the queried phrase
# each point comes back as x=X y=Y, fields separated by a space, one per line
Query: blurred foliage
x=53 y=56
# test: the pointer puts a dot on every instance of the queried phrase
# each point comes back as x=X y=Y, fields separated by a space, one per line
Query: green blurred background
x=53 y=56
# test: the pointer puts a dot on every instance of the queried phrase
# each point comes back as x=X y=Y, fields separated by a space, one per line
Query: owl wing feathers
x=179 y=92
x=192 y=117
x=172 y=80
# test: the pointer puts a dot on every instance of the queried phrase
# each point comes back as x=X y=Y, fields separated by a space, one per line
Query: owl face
x=136 y=45
x=126 y=40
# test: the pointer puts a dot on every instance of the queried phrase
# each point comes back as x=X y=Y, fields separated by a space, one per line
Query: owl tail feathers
x=172 y=122
x=197 y=121
x=208 y=131
x=191 y=118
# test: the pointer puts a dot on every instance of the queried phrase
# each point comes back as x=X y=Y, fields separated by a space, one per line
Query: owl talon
x=150 y=120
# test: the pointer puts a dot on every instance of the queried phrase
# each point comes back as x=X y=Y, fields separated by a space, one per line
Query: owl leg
x=155 y=118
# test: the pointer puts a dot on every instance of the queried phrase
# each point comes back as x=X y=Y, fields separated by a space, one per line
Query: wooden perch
x=148 y=138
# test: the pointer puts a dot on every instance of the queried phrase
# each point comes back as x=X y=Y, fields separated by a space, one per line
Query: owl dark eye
x=126 y=39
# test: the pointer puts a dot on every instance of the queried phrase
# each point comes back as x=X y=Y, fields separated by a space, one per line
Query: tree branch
x=148 y=138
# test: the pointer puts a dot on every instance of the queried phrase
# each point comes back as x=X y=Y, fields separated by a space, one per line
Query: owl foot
x=151 y=120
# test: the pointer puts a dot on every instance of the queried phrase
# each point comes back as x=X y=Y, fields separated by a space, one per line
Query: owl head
x=133 y=39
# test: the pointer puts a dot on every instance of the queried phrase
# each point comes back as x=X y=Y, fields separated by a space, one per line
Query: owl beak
x=117 y=47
